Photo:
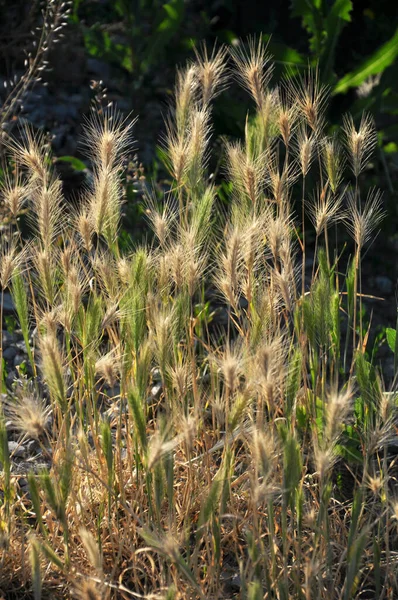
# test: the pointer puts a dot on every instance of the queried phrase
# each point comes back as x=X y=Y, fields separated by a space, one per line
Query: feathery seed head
x=33 y=153
x=325 y=209
x=333 y=161
x=107 y=367
x=29 y=414
x=108 y=138
x=10 y=259
x=286 y=116
x=360 y=143
x=231 y=363
x=53 y=363
x=211 y=72
x=375 y=484
x=254 y=69
x=263 y=447
x=310 y=96
x=361 y=222
x=14 y=191
x=85 y=227
x=185 y=97
x=305 y=146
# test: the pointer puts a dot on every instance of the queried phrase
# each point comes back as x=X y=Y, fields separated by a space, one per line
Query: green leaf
x=312 y=21
x=377 y=63
x=76 y=164
x=391 y=337
x=284 y=55
x=338 y=16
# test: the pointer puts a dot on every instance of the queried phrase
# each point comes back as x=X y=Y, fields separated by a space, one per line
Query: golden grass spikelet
x=162 y=326
x=14 y=191
x=333 y=161
x=375 y=484
x=91 y=548
x=231 y=362
x=53 y=367
x=75 y=286
x=264 y=451
x=46 y=211
x=284 y=280
x=108 y=138
x=253 y=242
x=269 y=359
x=113 y=315
x=105 y=271
x=325 y=459
x=45 y=263
x=305 y=144
x=211 y=72
x=310 y=96
x=123 y=265
x=286 y=116
x=176 y=146
x=161 y=220
x=280 y=181
x=181 y=378
x=85 y=226
x=338 y=408
x=362 y=221
x=10 y=258
x=254 y=68
x=105 y=202
x=227 y=278
x=185 y=97
x=49 y=320
x=176 y=259
x=198 y=134
x=195 y=257
x=246 y=173
x=108 y=367
x=325 y=209
x=33 y=153
x=29 y=414
x=277 y=229
x=360 y=143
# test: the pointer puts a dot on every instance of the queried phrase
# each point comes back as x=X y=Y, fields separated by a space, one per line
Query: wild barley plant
x=190 y=456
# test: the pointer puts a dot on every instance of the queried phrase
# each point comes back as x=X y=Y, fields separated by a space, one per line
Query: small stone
x=8 y=304
x=384 y=284
x=11 y=377
x=8 y=338
x=156 y=374
x=23 y=483
x=16 y=449
x=156 y=391
x=19 y=359
x=21 y=346
x=9 y=353
x=32 y=447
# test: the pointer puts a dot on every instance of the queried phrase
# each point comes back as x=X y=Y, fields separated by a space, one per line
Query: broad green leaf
x=391 y=337
x=310 y=12
x=78 y=165
x=338 y=16
x=380 y=60
x=285 y=55
x=390 y=148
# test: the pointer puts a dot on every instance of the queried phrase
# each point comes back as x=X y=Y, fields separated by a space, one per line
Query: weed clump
x=200 y=401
